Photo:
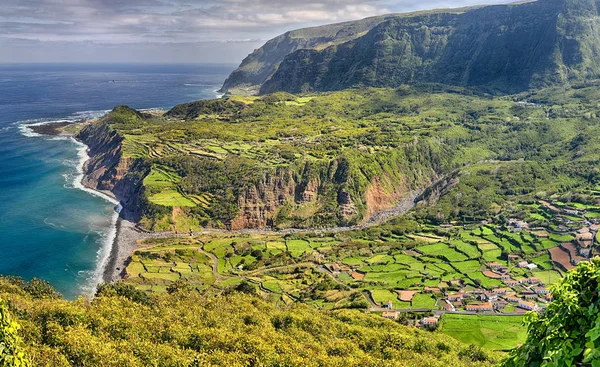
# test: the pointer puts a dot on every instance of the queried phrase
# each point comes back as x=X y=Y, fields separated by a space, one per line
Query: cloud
x=185 y=22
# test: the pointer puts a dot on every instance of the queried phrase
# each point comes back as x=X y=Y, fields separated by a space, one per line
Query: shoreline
x=123 y=237
x=127 y=237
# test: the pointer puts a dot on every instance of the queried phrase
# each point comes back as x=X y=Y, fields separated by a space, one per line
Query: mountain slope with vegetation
x=500 y=49
x=336 y=159
x=126 y=327
x=260 y=65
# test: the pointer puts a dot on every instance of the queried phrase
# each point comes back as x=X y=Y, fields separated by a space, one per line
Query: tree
x=567 y=333
x=11 y=352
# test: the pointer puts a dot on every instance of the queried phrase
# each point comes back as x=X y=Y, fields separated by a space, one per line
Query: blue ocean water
x=49 y=227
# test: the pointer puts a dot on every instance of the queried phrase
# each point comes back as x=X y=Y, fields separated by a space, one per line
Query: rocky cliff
x=500 y=49
x=108 y=170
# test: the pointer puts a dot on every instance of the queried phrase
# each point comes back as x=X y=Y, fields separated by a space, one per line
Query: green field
x=490 y=332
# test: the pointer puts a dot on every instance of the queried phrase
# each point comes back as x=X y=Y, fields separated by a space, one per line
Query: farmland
x=490 y=332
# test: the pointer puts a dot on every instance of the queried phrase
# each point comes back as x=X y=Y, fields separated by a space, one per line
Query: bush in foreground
x=567 y=333
x=118 y=328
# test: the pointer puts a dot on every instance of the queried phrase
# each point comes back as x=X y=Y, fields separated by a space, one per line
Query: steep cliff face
x=260 y=65
x=504 y=48
x=108 y=170
x=289 y=199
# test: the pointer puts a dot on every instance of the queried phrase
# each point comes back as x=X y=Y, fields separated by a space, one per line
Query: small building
x=572 y=212
x=335 y=268
x=548 y=296
x=389 y=304
x=522 y=264
x=505 y=277
x=429 y=321
x=357 y=276
x=531 y=266
x=495 y=265
x=455 y=297
x=510 y=282
x=512 y=299
x=529 y=295
x=527 y=305
x=512 y=257
x=448 y=306
x=500 y=290
x=390 y=315
x=482 y=307
x=541 y=290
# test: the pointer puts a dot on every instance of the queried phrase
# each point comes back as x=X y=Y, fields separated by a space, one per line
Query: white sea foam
x=107 y=238
x=75 y=181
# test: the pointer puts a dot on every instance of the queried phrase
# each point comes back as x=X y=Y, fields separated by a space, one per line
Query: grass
x=381 y=296
x=421 y=300
x=490 y=332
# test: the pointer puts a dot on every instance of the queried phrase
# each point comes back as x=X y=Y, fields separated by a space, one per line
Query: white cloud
x=184 y=21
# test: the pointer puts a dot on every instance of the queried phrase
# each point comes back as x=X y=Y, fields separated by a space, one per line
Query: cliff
x=108 y=170
x=500 y=49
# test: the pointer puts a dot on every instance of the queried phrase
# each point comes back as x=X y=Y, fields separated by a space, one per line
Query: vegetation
x=567 y=332
x=490 y=332
x=120 y=327
x=438 y=47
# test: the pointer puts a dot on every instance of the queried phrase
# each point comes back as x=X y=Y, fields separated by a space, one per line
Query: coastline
x=123 y=238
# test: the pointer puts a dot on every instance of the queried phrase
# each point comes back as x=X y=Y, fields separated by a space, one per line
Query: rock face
x=107 y=170
x=500 y=49
x=260 y=65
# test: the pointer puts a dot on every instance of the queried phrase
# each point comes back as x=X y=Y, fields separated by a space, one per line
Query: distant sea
x=50 y=227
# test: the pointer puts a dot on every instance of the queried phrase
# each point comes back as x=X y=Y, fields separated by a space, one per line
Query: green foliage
x=567 y=333
x=12 y=353
x=123 y=290
x=440 y=48
x=188 y=328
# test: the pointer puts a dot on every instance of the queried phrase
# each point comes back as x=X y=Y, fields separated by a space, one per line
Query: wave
x=103 y=254
x=74 y=180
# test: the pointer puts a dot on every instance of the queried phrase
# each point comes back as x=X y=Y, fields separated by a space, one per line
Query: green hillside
x=501 y=49
x=124 y=327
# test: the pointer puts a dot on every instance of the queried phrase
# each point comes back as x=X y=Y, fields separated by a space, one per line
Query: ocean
x=52 y=228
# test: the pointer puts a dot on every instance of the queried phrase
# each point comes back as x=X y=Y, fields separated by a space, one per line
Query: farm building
x=527 y=305
x=495 y=265
x=357 y=276
x=480 y=307
x=429 y=321
x=390 y=315
x=455 y=297
x=512 y=299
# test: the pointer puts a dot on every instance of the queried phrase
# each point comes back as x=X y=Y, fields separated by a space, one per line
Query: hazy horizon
x=171 y=31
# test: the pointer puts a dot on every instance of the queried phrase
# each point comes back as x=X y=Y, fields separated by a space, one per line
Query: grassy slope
x=233 y=330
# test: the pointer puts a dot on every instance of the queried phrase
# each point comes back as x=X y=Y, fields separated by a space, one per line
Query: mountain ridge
x=516 y=47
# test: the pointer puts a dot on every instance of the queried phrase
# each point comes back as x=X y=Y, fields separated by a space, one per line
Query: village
x=518 y=263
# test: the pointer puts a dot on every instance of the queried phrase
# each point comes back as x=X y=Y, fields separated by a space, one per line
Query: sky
x=171 y=31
